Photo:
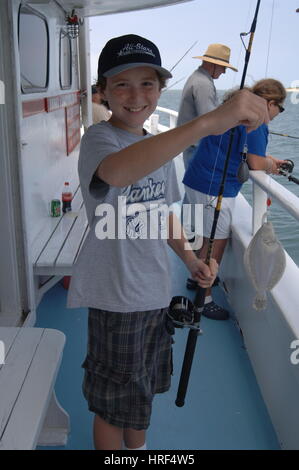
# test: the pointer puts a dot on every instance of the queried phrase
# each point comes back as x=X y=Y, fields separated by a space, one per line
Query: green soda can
x=55 y=208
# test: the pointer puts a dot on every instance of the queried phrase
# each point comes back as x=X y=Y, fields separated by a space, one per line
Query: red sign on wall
x=70 y=102
x=61 y=101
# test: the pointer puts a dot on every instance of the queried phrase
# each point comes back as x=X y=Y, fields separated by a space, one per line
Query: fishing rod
x=178 y=81
x=284 y=135
x=173 y=84
x=191 y=47
x=200 y=292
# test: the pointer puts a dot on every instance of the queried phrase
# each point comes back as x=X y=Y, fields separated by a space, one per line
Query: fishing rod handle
x=199 y=301
x=190 y=347
x=186 y=369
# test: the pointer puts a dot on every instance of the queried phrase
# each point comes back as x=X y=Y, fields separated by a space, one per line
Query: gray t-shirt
x=131 y=271
x=199 y=97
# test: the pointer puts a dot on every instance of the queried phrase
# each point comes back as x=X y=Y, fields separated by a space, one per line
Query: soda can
x=55 y=208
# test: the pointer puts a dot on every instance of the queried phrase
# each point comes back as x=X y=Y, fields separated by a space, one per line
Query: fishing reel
x=286 y=169
x=181 y=314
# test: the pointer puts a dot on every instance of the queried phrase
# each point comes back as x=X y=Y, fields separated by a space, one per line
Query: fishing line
x=214 y=168
x=235 y=76
x=270 y=38
x=233 y=82
x=232 y=86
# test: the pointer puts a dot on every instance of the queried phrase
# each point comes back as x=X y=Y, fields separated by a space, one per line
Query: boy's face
x=132 y=96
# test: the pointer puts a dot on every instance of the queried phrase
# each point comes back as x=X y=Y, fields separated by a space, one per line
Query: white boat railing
x=263 y=185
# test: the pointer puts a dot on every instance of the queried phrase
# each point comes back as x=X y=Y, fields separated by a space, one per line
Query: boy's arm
x=140 y=159
x=200 y=272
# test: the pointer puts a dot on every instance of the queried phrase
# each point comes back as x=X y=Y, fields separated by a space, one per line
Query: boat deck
x=224 y=409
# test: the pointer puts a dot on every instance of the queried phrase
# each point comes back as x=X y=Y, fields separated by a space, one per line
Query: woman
x=203 y=176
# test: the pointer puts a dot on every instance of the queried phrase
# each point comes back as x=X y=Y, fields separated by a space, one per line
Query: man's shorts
x=209 y=203
x=129 y=359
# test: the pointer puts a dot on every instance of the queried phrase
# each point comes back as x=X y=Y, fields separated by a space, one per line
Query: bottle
x=67 y=197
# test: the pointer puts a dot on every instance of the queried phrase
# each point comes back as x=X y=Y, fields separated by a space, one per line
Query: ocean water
x=286 y=227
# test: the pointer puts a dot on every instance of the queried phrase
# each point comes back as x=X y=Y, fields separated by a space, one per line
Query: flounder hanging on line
x=265 y=262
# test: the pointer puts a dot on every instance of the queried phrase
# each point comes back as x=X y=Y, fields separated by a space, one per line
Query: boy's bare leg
x=134 y=439
x=109 y=437
x=106 y=436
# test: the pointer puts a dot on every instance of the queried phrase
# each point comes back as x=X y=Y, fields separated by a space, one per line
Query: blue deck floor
x=223 y=410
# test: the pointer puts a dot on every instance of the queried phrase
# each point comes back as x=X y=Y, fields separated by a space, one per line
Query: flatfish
x=265 y=262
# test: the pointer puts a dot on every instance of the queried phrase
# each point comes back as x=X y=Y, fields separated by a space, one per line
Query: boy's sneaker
x=215 y=312
x=192 y=285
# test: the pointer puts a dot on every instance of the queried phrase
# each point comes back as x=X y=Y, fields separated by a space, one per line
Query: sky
x=275 y=51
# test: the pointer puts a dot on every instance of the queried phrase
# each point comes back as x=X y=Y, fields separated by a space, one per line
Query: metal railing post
x=172 y=121
x=154 y=122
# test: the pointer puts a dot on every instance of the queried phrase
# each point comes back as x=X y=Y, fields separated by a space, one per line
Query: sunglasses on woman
x=281 y=108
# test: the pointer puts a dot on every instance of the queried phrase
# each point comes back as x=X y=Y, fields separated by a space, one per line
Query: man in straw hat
x=199 y=97
x=199 y=93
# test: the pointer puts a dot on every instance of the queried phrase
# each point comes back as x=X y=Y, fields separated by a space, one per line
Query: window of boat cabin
x=34 y=50
x=65 y=61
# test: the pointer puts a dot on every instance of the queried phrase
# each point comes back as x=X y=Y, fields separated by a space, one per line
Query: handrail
x=171 y=112
x=265 y=186
x=283 y=196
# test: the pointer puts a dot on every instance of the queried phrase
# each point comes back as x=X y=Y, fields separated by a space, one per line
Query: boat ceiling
x=105 y=7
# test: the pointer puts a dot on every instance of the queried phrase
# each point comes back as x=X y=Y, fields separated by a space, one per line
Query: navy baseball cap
x=127 y=52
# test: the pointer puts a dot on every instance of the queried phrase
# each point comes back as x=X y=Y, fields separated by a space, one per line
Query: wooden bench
x=29 y=412
x=56 y=249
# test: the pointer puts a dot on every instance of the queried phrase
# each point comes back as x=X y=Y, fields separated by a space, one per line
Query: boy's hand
x=201 y=273
x=243 y=108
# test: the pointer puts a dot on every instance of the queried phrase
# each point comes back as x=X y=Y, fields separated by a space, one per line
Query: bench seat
x=29 y=411
x=58 y=251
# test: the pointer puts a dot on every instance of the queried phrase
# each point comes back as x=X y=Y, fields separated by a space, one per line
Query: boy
x=123 y=278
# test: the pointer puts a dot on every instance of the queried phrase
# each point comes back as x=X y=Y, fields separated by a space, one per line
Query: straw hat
x=217 y=54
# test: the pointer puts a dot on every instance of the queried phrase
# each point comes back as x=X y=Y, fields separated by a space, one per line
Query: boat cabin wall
x=50 y=111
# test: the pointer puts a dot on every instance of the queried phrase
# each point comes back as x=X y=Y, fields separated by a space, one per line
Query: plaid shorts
x=129 y=359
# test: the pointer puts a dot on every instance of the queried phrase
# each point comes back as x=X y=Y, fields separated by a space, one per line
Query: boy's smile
x=132 y=96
